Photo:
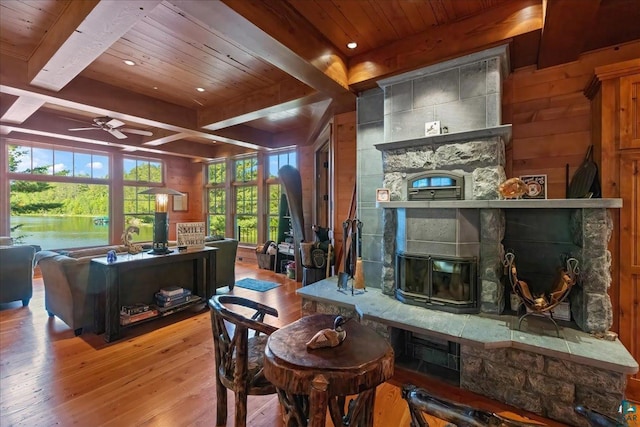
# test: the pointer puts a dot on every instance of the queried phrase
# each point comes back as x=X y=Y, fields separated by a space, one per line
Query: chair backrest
x=239 y=356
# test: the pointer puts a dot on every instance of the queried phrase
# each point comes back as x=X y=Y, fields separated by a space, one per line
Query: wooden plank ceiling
x=270 y=71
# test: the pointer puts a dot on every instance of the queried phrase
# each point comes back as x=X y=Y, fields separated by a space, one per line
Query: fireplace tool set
x=542 y=304
x=352 y=262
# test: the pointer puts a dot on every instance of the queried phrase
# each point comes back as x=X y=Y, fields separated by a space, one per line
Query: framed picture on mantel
x=536 y=186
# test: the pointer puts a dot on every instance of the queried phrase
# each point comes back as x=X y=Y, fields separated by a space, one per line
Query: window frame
x=221 y=209
x=263 y=181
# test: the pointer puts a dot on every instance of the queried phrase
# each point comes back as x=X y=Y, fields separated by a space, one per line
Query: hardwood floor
x=160 y=374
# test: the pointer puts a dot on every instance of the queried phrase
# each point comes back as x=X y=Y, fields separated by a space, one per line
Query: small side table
x=309 y=382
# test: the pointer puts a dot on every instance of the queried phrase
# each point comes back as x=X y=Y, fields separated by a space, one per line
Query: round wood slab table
x=310 y=381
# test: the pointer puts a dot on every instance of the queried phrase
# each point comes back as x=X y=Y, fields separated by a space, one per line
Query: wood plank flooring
x=159 y=374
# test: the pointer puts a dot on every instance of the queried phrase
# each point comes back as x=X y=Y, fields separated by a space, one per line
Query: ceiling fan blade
x=117 y=133
x=93 y=128
x=136 y=131
x=114 y=123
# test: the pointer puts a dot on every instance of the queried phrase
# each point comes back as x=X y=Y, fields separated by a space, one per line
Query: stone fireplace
x=464 y=96
x=483 y=352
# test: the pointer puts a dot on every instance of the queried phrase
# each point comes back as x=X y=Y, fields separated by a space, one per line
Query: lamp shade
x=161 y=190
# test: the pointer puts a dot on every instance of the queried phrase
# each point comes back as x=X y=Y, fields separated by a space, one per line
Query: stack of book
x=135 y=313
x=173 y=298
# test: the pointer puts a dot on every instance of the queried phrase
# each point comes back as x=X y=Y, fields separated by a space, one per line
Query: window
x=216 y=197
x=276 y=161
x=243 y=200
x=246 y=199
x=273 y=208
x=52 y=161
x=139 y=209
x=274 y=189
x=59 y=198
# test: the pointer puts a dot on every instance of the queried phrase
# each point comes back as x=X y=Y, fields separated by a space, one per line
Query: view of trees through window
x=240 y=178
x=275 y=162
x=217 y=209
x=139 y=209
x=246 y=199
x=55 y=196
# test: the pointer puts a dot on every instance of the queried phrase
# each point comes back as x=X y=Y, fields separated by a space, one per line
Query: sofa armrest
x=225 y=261
x=16 y=273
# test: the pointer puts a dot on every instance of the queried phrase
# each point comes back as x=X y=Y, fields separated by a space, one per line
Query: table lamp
x=161 y=219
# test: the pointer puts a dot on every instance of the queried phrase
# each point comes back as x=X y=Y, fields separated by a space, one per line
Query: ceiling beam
x=523 y=50
x=22 y=109
x=566 y=22
x=84 y=31
x=274 y=99
x=103 y=99
x=98 y=98
x=273 y=31
x=163 y=138
x=495 y=26
x=48 y=127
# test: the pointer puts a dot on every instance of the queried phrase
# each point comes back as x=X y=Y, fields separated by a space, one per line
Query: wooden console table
x=136 y=278
x=310 y=381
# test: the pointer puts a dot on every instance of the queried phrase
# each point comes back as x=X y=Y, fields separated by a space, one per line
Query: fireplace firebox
x=437 y=282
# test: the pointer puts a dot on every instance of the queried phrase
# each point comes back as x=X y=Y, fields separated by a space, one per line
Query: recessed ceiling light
x=155 y=87
x=200 y=89
x=352 y=45
x=129 y=62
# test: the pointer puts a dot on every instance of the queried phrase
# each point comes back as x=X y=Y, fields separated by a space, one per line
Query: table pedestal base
x=296 y=409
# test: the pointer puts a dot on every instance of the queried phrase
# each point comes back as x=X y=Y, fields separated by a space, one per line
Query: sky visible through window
x=75 y=163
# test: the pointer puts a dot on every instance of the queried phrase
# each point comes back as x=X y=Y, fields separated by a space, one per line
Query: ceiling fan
x=114 y=127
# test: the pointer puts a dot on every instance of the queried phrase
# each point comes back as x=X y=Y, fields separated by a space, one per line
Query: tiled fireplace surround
x=532 y=368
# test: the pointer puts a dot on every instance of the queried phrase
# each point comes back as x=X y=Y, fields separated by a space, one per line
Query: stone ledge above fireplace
x=478 y=330
x=503 y=131
x=506 y=204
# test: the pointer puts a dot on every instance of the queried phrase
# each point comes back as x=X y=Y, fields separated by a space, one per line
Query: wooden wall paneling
x=344 y=177
x=552 y=118
x=185 y=176
x=322 y=176
x=629 y=298
x=620 y=178
x=630 y=112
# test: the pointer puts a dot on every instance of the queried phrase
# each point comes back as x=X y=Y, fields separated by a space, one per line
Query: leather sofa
x=16 y=273
x=67 y=291
x=69 y=296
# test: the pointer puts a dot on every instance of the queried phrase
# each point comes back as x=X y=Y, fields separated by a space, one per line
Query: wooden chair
x=239 y=356
x=422 y=401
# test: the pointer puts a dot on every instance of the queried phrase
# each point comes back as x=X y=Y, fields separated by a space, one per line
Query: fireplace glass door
x=444 y=283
